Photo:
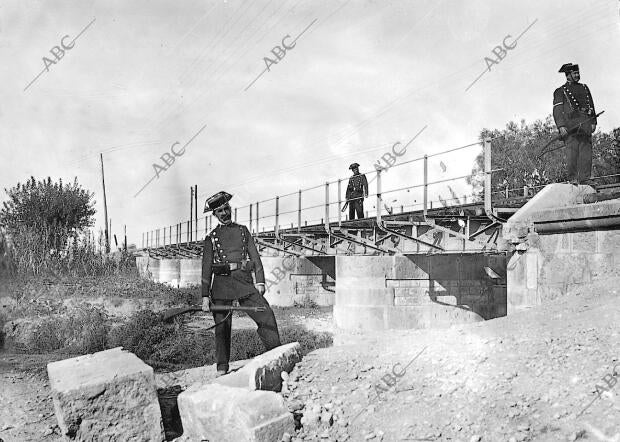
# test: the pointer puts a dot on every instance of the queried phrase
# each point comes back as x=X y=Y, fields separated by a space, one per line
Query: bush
x=81 y=331
x=170 y=345
x=142 y=334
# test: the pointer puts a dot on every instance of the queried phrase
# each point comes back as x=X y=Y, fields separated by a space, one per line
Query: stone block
x=364 y=296
x=584 y=241
x=193 y=376
x=265 y=370
x=609 y=241
x=446 y=299
x=356 y=317
x=108 y=395
x=219 y=413
x=603 y=265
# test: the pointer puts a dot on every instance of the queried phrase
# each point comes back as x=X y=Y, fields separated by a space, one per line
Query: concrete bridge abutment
x=418 y=290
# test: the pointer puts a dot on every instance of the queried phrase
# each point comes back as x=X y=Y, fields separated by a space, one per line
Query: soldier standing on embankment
x=575 y=118
x=225 y=256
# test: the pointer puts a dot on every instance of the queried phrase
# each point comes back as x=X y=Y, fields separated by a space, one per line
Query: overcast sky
x=365 y=74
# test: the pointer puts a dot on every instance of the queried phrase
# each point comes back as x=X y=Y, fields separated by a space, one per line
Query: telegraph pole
x=191 y=212
x=105 y=208
x=196 y=209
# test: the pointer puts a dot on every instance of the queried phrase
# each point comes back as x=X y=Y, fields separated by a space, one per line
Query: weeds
x=84 y=330
x=163 y=344
x=307 y=301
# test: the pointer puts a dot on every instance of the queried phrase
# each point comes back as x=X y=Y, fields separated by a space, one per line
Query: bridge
x=433 y=226
x=417 y=265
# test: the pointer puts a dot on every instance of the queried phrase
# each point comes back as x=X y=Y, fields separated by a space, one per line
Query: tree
x=515 y=150
x=58 y=211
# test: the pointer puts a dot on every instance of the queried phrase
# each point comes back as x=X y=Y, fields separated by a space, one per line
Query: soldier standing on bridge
x=575 y=118
x=357 y=190
x=225 y=256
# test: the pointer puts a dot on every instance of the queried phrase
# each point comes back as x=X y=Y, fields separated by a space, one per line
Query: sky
x=140 y=79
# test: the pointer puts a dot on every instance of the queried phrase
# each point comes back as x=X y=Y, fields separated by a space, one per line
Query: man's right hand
x=563 y=131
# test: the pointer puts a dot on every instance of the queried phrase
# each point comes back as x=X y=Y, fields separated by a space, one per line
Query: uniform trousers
x=356 y=206
x=266 y=321
x=579 y=157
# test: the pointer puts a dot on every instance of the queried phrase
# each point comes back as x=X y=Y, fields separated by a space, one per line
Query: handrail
x=279 y=210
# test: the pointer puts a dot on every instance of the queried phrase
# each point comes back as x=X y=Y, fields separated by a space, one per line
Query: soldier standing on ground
x=575 y=118
x=230 y=255
x=357 y=190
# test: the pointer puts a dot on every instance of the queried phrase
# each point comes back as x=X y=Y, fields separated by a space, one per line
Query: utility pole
x=196 y=209
x=191 y=212
x=105 y=208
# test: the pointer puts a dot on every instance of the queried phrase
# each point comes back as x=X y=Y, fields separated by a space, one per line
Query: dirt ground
x=526 y=377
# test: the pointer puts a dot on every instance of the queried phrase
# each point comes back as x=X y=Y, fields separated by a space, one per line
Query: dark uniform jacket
x=230 y=243
x=572 y=104
x=358 y=186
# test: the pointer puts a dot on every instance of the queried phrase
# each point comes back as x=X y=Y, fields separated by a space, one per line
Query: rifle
x=167 y=315
x=346 y=204
x=558 y=137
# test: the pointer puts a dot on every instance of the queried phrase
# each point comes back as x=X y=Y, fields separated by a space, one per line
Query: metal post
x=327 y=206
x=276 y=229
x=425 y=184
x=487 y=178
x=235 y=215
x=196 y=208
x=142 y=239
x=105 y=208
x=299 y=212
x=164 y=236
x=379 y=203
x=191 y=213
x=257 y=217
x=339 y=202
x=251 y=227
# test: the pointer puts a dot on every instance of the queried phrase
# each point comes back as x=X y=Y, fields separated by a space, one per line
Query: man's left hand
x=260 y=288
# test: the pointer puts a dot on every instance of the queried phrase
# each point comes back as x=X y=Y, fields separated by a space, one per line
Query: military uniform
x=231 y=246
x=357 y=190
x=572 y=105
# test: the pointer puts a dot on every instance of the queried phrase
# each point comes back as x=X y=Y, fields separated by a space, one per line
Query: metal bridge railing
x=288 y=209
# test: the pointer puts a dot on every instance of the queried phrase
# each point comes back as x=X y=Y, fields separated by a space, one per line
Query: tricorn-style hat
x=216 y=201
x=569 y=67
x=354 y=166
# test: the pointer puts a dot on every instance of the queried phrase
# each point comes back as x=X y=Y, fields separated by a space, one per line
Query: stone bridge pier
x=418 y=290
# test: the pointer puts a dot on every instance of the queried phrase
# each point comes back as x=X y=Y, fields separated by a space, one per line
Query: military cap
x=354 y=166
x=569 y=67
x=216 y=201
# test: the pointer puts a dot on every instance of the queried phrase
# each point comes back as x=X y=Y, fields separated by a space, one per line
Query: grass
x=51 y=325
x=174 y=346
x=167 y=346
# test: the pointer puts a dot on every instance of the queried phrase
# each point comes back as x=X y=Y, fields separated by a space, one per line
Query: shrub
x=169 y=345
x=81 y=331
x=142 y=334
